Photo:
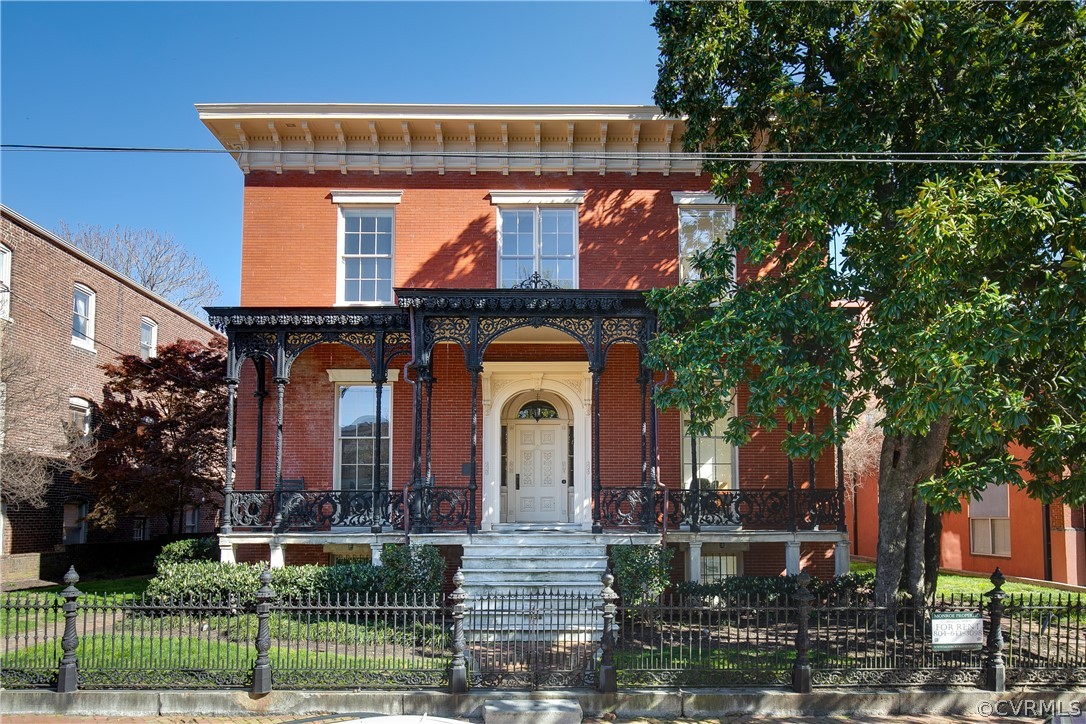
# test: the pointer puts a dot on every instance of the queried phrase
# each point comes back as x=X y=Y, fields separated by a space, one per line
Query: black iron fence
x=534 y=640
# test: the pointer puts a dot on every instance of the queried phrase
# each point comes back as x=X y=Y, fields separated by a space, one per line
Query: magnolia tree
x=162 y=440
x=941 y=144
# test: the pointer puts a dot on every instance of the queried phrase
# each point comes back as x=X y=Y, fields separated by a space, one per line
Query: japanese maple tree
x=161 y=442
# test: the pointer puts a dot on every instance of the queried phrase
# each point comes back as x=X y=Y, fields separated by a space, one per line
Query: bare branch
x=155 y=260
x=862 y=448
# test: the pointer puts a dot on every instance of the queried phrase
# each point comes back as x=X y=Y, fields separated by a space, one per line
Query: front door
x=539 y=474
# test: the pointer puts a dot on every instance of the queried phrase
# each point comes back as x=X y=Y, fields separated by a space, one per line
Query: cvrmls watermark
x=1031 y=708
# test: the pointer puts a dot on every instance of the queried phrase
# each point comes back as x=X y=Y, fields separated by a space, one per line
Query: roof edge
x=83 y=256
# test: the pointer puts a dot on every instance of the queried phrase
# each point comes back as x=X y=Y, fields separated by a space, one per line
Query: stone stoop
x=519 y=711
x=531 y=561
x=533 y=585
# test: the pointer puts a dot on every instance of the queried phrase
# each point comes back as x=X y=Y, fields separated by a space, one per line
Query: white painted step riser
x=564 y=581
x=506 y=564
x=575 y=551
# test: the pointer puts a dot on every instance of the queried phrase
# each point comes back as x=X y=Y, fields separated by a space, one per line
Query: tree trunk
x=169 y=522
x=933 y=551
x=906 y=461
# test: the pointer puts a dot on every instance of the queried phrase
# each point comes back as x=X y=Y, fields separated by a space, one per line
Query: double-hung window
x=537 y=234
x=990 y=522
x=5 y=282
x=83 y=317
x=716 y=460
x=367 y=226
x=358 y=430
x=79 y=417
x=148 y=338
x=75 y=522
x=703 y=221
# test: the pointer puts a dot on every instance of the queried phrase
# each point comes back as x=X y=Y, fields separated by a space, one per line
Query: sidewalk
x=334 y=718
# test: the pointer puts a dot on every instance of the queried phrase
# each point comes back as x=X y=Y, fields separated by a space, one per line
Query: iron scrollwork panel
x=816 y=508
x=252 y=509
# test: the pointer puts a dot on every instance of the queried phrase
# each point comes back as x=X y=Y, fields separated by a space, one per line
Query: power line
x=1066 y=157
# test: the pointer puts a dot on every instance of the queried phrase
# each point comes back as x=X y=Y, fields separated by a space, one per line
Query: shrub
x=418 y=569
x=770 y=589
x=412 y=569
x=641 y=572
x=189 y=549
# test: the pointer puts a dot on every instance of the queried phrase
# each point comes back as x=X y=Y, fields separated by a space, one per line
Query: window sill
x=84 y=345
x=991 y=555
x=388 y=303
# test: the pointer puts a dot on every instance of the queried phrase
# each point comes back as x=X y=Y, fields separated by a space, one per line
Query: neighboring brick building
x=473 y=277
x=1006 y=528
x=68 y=314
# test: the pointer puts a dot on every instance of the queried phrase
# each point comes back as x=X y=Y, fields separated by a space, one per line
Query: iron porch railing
x=448 y=508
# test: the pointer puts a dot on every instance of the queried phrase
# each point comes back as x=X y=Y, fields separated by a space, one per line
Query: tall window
x=83 y=317
x=191 y=519
x=989 y=522
x=75 y=522
x=148 y=338
x=538 y=240
x=79 y=416
x=367 y=256
x=716 y=460
x=5 y=282
x=357 y=427
x=139 y=528
x=699 y=228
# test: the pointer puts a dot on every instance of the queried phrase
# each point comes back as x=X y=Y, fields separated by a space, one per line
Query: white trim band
x=358 y=197
x=355 y=375
x=536 y=197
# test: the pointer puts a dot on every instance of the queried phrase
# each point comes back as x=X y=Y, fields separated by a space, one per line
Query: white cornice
x=380 y=138
x=429 y=111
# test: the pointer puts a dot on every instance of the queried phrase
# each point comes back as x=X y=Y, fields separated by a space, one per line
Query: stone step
x=536 y=711
x=514 y=563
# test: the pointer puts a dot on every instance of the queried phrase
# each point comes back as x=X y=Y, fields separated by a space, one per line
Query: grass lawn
x=950 y=583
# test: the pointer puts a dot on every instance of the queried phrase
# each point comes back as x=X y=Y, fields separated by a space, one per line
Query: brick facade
x=446 y=237
x=44 y=273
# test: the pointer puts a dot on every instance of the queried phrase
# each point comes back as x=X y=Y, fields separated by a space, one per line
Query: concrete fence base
x=705 y=703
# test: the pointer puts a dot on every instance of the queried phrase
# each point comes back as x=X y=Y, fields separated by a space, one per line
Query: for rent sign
x=957 y=631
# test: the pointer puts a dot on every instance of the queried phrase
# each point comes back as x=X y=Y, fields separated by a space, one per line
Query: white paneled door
x=539 y=475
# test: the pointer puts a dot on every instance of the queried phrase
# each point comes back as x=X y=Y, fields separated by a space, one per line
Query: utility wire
x=1065 y=157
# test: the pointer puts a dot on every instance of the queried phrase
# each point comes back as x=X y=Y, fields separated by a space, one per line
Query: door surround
x=501 y=382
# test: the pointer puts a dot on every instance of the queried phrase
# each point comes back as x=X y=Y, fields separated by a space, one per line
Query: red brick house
x=70 y=314
x=441 y=332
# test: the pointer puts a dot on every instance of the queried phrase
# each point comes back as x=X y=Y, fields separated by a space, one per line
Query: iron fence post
x=262 y=673
x=801 y=668
x=994 y=668
x=458 y=674
x=68 y=674
x=607 y=681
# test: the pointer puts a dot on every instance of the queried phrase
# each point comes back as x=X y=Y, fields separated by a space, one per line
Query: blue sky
x=109 y=74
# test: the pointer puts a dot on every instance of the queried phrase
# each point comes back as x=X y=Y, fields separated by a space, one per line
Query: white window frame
x=359 y=378
x=684 y=455
x=86 y=340
x=982 y=527
x=723 y=558
x=694 y=202
x=537 y=201
x=5 y=282
x=190 y=518
x=139 y=528
x=78 y=404
x=355 y=201
x=152 y=351
x=80 y=527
